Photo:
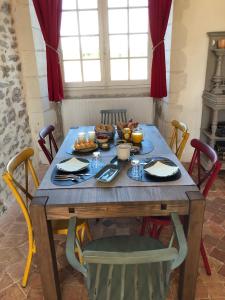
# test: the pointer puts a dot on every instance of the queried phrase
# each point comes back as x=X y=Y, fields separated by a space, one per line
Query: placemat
x=63 y=183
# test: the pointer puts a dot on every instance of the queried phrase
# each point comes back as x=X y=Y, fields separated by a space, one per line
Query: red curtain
x=158 y=18
x=49 y=17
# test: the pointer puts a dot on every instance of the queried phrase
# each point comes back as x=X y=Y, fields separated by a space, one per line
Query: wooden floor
x=13 y=249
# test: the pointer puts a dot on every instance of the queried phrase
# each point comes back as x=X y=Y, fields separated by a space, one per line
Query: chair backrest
x=113 y=116
x=147 y=271
x=22 y=159
x=205 y=178
x=179 y=137
x=47 y=133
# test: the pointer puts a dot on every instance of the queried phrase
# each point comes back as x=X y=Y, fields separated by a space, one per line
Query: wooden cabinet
x=213 y=106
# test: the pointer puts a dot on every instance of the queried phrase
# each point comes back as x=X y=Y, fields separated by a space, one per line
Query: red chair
x=43 y=134
x=204 y=182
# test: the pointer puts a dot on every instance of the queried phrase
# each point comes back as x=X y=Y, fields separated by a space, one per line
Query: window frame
x=107 y=87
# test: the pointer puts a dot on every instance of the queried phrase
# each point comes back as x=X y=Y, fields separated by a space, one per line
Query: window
x=105 y=43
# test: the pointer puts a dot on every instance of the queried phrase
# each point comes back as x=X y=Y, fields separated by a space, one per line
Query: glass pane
x=91 y=70
x=119 y=69
x=88 y=22
x=70 y=47
x=138 y=69
x=118 y=21
x=118 y=46
x=117 y=3
x=140 y=14
x=138 y=45
x=69 y=4
x=90 y=47
x=72 y=71
x=83 y=4
x=69 y=23
x=138 y=3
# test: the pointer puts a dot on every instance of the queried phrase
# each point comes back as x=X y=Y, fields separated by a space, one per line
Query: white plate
x=73 y=165
x=161 y=169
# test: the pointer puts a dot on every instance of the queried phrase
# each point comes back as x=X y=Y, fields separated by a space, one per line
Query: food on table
x=130 y=124
x=135 y=149
x=137 y=137
x=81 y=137
x=102 y=139
x=105 y=146
x=91 y=135
x=104 y=129
x=84 y=145
x=122 y=125
x=127 y=134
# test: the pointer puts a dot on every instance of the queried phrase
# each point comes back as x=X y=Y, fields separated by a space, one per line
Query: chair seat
x=124 y=244
x=135 y=281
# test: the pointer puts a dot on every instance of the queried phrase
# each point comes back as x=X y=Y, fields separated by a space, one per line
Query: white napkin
x=72 y=165
x=161 y=170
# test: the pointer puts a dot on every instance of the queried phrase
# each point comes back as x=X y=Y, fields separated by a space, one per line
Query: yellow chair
x=179 y=137
x=59 y=226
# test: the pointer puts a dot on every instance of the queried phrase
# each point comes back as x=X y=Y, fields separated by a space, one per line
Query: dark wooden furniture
x=118 y=201
x=204 y=180
x=113 y=116
x=47 y=133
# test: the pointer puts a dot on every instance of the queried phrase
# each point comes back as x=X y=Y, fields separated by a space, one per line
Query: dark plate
x=163 y=160
x=108 y=173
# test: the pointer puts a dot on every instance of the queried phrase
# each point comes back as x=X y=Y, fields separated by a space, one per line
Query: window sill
x=106 y=92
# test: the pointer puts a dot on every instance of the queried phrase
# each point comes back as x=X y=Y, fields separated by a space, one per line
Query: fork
x=70 y=176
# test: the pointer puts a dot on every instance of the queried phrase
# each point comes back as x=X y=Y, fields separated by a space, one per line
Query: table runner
x=122 y=180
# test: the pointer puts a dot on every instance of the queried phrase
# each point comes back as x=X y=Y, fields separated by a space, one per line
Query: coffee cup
x=123 y=151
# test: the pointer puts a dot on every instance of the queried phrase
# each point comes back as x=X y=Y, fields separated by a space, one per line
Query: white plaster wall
x=87 y=111
x=191 y=21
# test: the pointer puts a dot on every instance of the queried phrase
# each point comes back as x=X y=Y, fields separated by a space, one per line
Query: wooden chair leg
x=205 y=258
x=88 y=232
x=155 y=231
x=143 y=225
x=28 y=264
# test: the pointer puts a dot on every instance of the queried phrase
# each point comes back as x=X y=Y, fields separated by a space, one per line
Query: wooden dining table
x=123 y=197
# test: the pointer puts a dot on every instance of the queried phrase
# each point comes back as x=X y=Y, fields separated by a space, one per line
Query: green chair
x=127 y=267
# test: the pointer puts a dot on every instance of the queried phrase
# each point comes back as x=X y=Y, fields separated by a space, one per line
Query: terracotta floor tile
x=222 y=271
x=218 y=254
x=11 y=293
x=5 y=281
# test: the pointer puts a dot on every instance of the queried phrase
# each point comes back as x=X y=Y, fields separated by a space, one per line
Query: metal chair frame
x=59 y=226
x=47 y=132
x=204 y=182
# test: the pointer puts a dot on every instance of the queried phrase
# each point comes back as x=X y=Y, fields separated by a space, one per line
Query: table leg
x=45 y=249
x=189 y=269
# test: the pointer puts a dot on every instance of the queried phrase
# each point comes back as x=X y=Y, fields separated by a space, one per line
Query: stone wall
x=15 y=131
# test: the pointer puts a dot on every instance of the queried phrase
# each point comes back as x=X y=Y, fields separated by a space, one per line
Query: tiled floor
x=13 y=249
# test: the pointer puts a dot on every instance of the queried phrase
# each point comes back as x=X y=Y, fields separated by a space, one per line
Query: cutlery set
x=71 y=177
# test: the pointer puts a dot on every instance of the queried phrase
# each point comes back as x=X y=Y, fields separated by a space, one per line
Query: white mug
x=123 y=151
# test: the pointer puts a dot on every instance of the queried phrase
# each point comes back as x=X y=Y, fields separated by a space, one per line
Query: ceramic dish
x=73 y=165
x=108 y=173
x=161 y=167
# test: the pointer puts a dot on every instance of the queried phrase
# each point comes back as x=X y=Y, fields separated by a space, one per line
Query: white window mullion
x=79 y=38
x=104 y=37
x=128 y=38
